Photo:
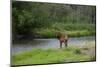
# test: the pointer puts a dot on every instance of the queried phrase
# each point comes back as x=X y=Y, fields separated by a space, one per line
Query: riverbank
x=72 y=30
x=50 y=34
x=69 y=54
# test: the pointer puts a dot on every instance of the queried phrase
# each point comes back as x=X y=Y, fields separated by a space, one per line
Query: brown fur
x=62 y=39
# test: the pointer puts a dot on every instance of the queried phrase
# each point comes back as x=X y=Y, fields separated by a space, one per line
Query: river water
x=47 y=43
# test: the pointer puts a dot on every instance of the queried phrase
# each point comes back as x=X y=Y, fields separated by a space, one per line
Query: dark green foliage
x=29 y=16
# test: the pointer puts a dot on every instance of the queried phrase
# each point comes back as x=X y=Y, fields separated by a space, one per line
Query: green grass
x=45 y=56
x=73 y=30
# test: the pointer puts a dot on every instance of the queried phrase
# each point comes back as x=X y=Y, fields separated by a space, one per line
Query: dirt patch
x=89 y=51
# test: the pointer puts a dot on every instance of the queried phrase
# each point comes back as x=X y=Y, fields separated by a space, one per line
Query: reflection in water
x=47 y=43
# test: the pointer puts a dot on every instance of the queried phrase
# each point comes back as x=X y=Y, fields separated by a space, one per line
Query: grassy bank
x=41 y=56
x=73 y=30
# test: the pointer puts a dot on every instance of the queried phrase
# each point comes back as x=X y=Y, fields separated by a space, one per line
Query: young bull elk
x=62 y=39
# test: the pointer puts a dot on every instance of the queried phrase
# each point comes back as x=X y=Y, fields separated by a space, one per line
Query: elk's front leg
x=66 y=43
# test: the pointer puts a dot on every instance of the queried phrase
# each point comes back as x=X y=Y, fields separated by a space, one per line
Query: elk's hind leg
x=60 y=44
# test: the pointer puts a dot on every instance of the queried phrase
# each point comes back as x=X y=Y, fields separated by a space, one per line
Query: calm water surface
x=47 y=43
